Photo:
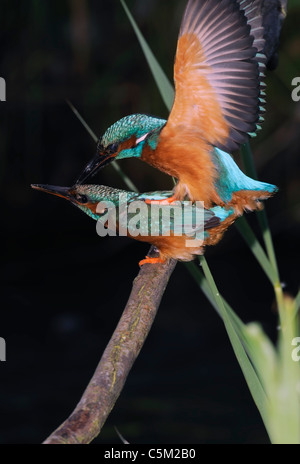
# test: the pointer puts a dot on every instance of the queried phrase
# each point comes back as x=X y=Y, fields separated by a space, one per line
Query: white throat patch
x=140 y=139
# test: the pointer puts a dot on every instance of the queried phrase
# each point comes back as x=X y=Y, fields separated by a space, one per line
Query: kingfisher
x=98 y=201
x=218 y=73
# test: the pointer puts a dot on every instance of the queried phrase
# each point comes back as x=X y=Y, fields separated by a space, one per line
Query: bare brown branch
x=86 y=421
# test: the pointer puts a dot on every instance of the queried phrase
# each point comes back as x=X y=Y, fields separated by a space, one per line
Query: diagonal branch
x=87 y=419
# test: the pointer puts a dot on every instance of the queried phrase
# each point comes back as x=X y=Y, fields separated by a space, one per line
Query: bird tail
x=226 y=217
x=235 y=188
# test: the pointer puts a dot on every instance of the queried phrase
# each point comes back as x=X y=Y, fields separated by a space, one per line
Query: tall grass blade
x=250 y=374
x=254 y=245
x=247 y=158
x=83 y=122
x=297 y=303
x=165 y=87
x=238 y=324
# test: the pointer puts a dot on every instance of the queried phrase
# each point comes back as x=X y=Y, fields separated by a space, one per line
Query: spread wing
x=217 y=71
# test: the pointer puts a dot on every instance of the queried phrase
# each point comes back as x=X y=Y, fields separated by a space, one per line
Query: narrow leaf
x=247 y=158
x=165 y=87
x=250 y=238
x=115 y=165
x=297 y=301
x=83 y=122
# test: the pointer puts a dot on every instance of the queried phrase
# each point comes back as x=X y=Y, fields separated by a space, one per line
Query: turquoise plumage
x=179 y=230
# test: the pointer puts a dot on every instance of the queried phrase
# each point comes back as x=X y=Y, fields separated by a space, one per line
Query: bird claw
x=149 y=260
x=165 y=201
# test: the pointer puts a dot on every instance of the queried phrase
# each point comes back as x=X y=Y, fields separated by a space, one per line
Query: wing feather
x=218 y=71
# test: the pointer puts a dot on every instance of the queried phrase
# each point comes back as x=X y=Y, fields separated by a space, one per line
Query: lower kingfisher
x=90 y=198
x=218 y=75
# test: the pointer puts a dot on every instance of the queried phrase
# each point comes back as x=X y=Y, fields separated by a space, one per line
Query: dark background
x=63 y=288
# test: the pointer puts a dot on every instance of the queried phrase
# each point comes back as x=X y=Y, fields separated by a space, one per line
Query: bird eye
x=112 y=148
x=81 y=198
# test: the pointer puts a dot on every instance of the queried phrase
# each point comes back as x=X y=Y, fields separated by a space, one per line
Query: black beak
x=98 y=162
x=64 y=192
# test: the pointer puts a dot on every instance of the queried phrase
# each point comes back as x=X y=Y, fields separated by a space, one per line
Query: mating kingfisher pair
x=219 y=94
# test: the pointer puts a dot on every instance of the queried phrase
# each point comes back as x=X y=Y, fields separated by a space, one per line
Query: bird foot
x=166 y=201
x=149 y=260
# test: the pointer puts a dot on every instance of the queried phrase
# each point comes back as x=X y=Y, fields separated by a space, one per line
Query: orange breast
x=183 y=153
x=172 y=247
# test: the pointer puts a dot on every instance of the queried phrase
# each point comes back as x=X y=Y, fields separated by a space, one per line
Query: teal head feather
x=137 y=125
x=124 y=139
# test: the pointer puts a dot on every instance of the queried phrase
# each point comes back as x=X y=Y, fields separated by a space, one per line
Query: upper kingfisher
x=218 y=101
x=97 y=201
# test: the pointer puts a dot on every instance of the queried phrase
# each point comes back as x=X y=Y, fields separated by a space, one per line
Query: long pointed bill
x=64 y=192
x=98 y=162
